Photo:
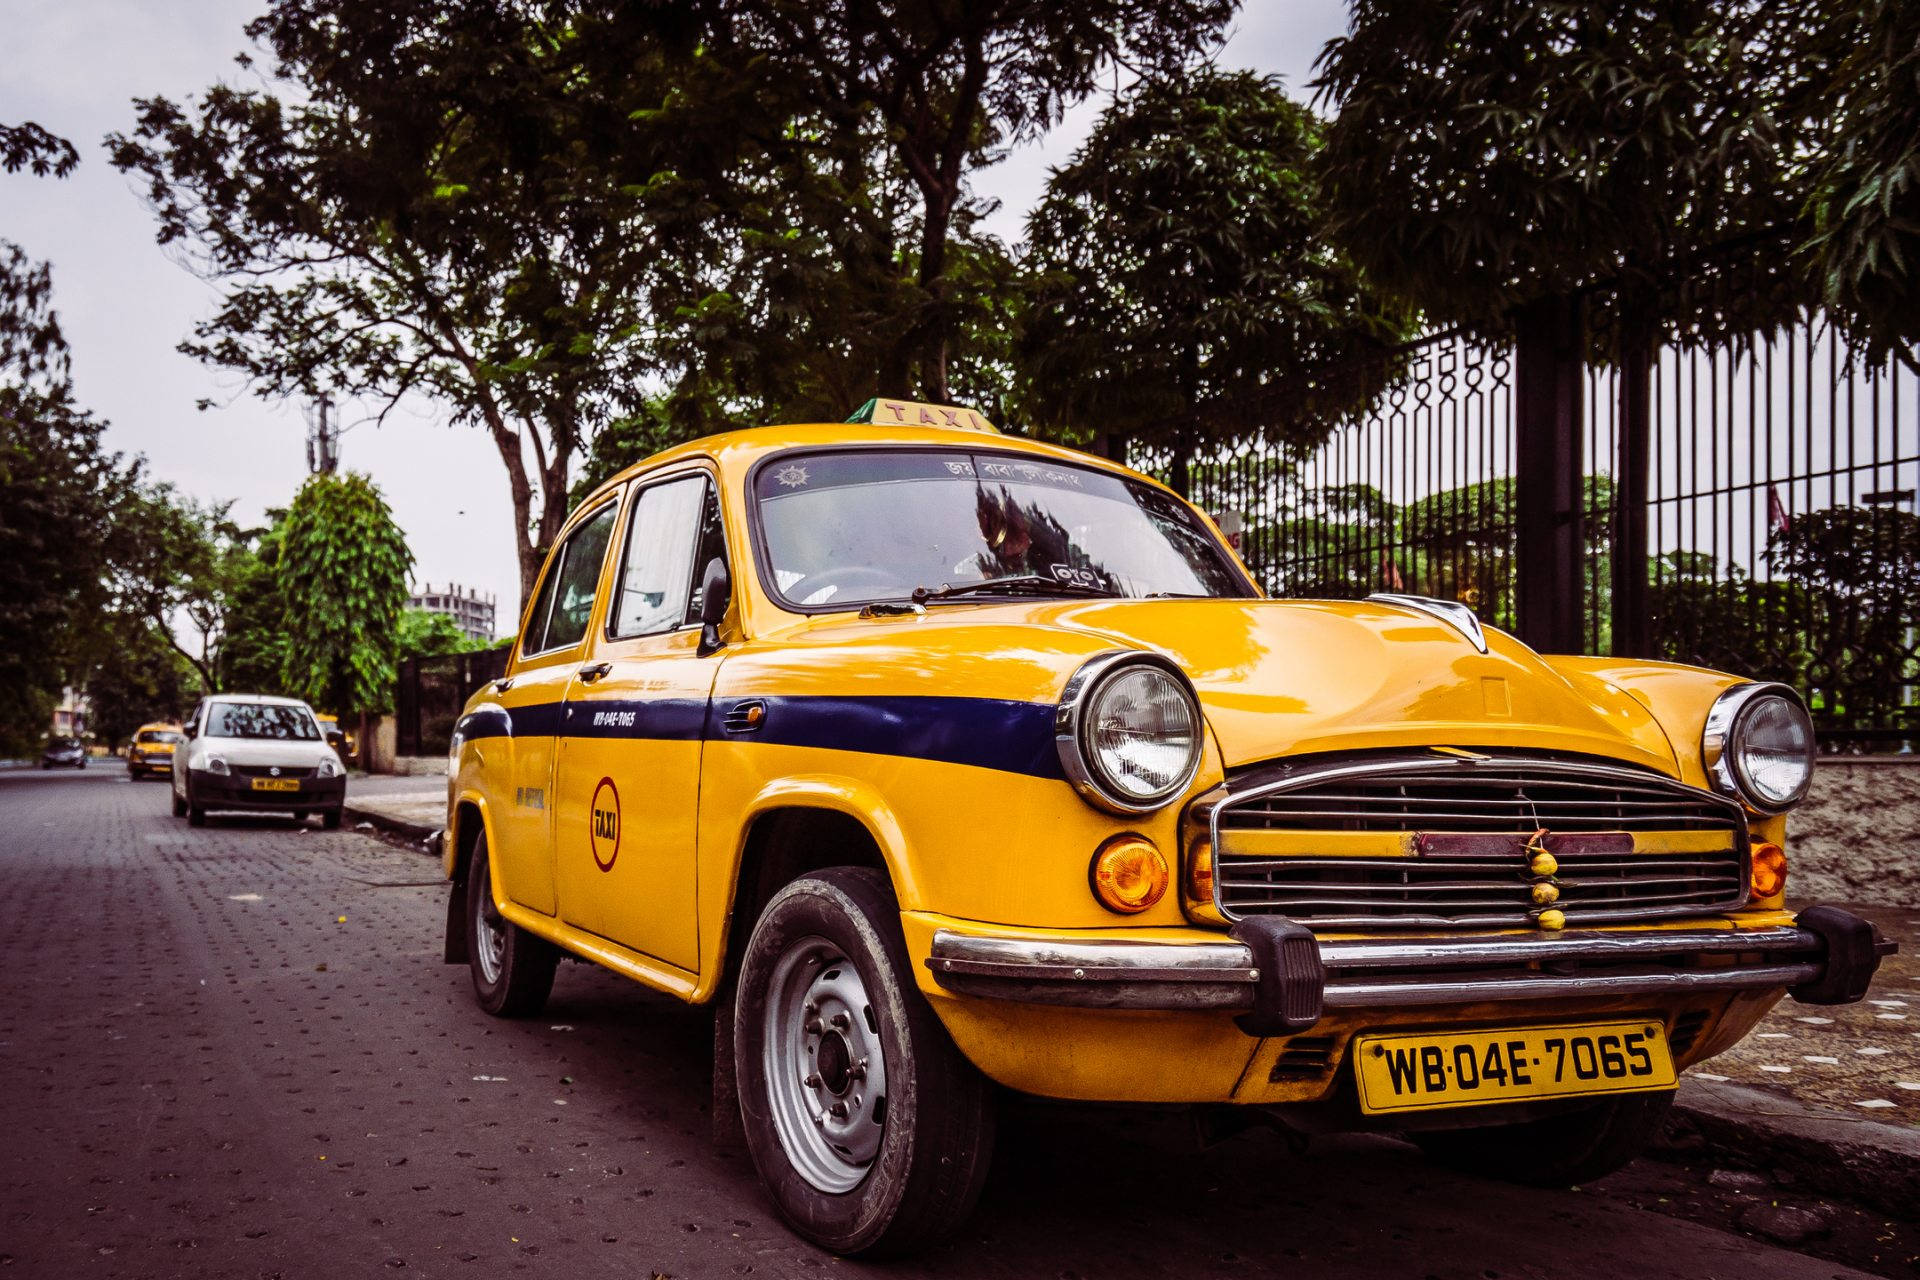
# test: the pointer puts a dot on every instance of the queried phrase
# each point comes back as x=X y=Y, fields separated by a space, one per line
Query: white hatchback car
x=254 y=752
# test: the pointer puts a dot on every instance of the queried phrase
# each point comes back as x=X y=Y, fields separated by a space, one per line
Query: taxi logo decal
x=604 y=828
x=792 y=476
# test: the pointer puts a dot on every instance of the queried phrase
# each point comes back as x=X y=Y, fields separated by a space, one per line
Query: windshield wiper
x=1019 y=584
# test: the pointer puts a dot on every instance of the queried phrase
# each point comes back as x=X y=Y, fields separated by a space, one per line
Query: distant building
x=70 y=717
x=472 y=612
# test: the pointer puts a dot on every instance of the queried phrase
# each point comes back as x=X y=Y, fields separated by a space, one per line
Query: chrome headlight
x=1129 y=731
x=217 y=765
x=1758 y=746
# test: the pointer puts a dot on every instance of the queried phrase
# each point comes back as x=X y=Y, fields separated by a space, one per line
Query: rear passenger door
x=627 y=784
x=552 y=643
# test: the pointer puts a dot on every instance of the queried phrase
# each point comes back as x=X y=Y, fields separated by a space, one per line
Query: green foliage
x=342 y=572
x=424 y=633
x=138 y=679
x=1179 y=259
x=256 y=649
x=1866 y=199
x=1491 y=152
x=1859 y=568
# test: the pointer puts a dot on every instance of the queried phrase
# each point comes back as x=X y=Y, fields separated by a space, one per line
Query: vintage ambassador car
x=934 y=758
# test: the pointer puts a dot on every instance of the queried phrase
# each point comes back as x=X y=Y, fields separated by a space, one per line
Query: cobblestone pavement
x=235 y=1052
x=1862 y=1057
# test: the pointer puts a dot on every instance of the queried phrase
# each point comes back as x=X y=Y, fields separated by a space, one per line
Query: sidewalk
x=413 y=807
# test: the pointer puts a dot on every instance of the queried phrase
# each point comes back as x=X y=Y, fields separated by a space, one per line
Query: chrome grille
x=1467 y=860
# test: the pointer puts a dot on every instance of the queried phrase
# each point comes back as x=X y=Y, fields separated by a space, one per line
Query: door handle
x=594 y=671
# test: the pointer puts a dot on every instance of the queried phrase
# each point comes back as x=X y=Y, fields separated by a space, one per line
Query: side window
x=711 y=546
x=658 y=567
x=559 y=617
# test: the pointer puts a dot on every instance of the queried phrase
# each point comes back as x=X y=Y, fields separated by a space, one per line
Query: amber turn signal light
x=1129 y=874
x=1769 y=875
x=1200 y=872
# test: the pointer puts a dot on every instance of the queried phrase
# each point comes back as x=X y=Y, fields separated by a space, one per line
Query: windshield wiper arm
x=1019 y=584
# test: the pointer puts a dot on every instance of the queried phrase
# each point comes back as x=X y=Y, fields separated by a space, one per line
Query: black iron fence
x=1748 y=505
x=431 y=691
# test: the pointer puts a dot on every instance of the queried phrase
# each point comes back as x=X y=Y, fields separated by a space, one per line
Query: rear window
x=261 y=720
x=157 y=735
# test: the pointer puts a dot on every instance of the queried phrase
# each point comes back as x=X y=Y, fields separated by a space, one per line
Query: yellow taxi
x=935 y=759
x=151 y=750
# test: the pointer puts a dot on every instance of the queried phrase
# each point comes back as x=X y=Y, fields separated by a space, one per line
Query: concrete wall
x=1857 y=837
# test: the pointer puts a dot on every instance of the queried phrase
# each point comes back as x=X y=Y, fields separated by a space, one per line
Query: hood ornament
x=1452 y=612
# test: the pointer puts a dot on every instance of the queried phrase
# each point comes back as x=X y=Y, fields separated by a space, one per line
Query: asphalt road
x=235 y=1052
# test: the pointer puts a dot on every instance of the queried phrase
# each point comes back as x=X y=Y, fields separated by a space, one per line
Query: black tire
x=179 y=805
x=196 y=815
x=524 y=963
x=936 y=1112
x=133 y=775
x=1558 y=1151
x=299 y=815
x=330 y=819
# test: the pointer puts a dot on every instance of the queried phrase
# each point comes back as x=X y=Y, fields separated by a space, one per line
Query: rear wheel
x=870 y=1130
x=1559 y=1151
x=179 y=806
x=512 y=969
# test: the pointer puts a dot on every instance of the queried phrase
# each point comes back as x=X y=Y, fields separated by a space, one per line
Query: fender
x=1677 y=696
x=835 y=792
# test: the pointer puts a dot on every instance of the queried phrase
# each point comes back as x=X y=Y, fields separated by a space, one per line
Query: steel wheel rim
x=489 y=930
x=826 y=1068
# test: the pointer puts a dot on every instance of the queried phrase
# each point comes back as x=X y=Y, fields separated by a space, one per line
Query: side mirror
x=190 y=732
x=716 y=592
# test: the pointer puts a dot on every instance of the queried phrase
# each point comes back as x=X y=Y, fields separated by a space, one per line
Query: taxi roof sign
x=912 y=413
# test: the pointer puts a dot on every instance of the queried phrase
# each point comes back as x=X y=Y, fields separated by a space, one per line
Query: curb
x=1827 y=1151
x=391 y=823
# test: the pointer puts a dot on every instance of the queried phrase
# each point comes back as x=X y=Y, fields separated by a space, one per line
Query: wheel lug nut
x=813 y=1080
x=813 y=1027
x=839 y=1021
x=813 y=1006
x=839 y=1110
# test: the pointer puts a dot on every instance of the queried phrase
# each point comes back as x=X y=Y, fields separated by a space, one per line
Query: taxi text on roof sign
x=912 y=413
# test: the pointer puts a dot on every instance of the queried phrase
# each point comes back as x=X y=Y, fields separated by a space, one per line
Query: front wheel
x=512 y=969
x=330 y=818
x=870 y=1130
x=179 y=806
x=1558 y=1151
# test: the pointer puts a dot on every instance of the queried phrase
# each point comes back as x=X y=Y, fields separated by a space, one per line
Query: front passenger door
x=627 y=784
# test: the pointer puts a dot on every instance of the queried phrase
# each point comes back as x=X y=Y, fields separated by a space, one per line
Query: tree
x=59 y=487
x=467 y=224
x=944 y=86
x=1865 y=252
x=175 y=564
x=424 y=633
x=1487 y=153
x=342 y=571
x=1179 y=261
x=139 y=679
x=255 y=653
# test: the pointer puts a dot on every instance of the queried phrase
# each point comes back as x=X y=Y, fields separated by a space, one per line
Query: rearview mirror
x=716 y=591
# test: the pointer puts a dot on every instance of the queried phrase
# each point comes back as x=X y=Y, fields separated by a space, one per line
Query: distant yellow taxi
x=933 y=758
x=151 y=750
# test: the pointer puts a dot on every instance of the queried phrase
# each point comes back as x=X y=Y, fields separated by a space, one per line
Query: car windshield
x=841 y=529
x=158 y=735
x=61 y=744
x=261 y=720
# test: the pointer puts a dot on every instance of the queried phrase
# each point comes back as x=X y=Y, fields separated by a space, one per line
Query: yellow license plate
x=276 y=784
x=1426 y=1071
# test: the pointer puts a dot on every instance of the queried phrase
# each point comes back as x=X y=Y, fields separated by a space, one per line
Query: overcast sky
x=75 y=68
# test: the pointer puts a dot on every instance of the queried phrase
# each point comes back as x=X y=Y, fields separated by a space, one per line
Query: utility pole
x=323 y=438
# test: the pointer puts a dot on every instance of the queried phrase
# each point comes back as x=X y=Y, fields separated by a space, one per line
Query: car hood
x=1275 y=677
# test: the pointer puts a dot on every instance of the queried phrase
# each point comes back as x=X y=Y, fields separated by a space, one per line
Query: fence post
x=1549 y=367
x=1632 y=636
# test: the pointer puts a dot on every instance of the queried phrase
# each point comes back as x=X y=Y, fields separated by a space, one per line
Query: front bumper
x=1285 y=979
x=217 y=791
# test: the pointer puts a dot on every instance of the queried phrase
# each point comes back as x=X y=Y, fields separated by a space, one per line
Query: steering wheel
x=845 y=577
